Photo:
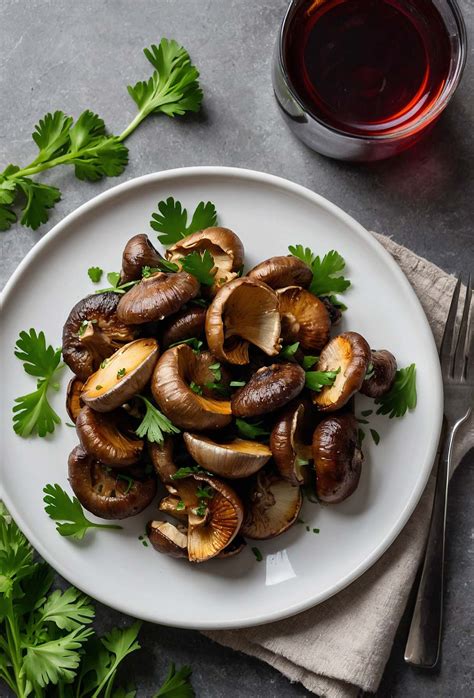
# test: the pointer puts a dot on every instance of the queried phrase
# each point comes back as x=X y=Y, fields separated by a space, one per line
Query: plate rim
x=432 y=354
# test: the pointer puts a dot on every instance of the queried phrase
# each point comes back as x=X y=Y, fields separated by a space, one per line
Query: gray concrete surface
x=74 y=55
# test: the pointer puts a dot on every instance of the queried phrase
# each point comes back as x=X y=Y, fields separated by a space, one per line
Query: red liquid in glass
x=367 y=67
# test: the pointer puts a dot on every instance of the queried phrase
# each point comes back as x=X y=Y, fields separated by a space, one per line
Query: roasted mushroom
x=162 y=458
x=272 y=506
x=170 y=539
x=156 y=297
x=291 y=442
x=101 y=437
x=223 y=244
x=334 y=312
x=138 y=253
x=107 y=493
x=349 y=354
x=380 y=375
x=74 y=403
x=174 y=506
x=215 y=515
x=278 y=272
x=304 y=318
x=270 y=388
x=92 y=332
x=243 y=312
x=186 y=323
x=337 y=457
x=234 y=459
x=121 y=376
x=177 y=369
x=234 y=548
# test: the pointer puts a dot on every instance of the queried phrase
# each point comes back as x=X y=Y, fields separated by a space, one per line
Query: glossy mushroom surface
x=106 y=438
x=170 y=539
x=243 y=312
x=122 y=376
x=272 y=506
x=233 y=459
x=270 y=388
x=74 y=403
x=278 y=272
x=138 y=253
x=162 y=459
x=157 y=297
x=105 y=492
x=93 y=332
x=304 y=319
x=291 y=441
x=382 y=372
x=337 y=457
x=349 y=354
x=176 y=370
x=186 y=323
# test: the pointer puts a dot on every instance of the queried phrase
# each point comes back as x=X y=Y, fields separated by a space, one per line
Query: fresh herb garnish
x=32 y=413
x=402 y=395
x=104 y=363
x=308 y=528
x=216 y=370
x=201 y=509
x=164 y=266
x=289 y=351
x=366 y=413
x=113 y=277
x=172 y=220
x=47 y=643
x=121 y=372
x=185 y=472
x=362 y=421
x=200 y=265
x=370 y=371
x=99 y=387
x=258 y=554
x=154 y=424
x=193 y=342
x=173 y=89
x=251 y=431
x=237 y=384
x=195 y=388
x=205 y=492
x=309 y=361
x=375 y=436
x=315 y=530
x=95 y=274
x=326 y=278
x=68 y=513
x=180 y=505
x=316 y=380
x=126 y=478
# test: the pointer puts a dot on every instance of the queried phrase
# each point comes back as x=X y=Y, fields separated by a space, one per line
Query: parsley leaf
x=185 y=472
x=289 y=351
x=193 y=342
x=173 y=88
x=55 y=660
x=39 y=198
x=7 y=217
x=62 y=508
x=250 y=431
x=95 y=274
x=258 y=554
x=68 y=609
x=402 y=395
x=172 y=220
x=200 y=265
x=176 y=684
x=154 y=424
x=51 y=135
x=309 y=361
x=316 y=380
x=32 y=413
x=326 y=280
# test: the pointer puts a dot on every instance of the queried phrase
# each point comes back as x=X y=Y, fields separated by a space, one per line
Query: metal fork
x=457 y=365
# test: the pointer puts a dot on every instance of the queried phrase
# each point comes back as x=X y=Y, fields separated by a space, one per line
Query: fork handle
x=424 y=639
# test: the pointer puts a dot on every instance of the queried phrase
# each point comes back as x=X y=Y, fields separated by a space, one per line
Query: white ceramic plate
x=300 y=568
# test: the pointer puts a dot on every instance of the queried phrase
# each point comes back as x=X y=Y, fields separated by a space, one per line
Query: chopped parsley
x=95 y=274
x=258 y=554
x=316 y=380
x=121 y=372
x=402 y=396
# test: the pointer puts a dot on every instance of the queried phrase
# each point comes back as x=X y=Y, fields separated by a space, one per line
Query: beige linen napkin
x=342 y=645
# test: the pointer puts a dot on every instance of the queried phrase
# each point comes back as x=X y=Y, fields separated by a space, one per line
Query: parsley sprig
x=327 y=279
x=402 y=395
x=32 y=413
x=316 y=380
x=47 y=643
x=173 y=89
x=154 y=424
x=68 y=513
x=171 y=220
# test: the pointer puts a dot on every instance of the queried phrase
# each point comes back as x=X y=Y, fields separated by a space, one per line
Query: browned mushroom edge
x=270 y=388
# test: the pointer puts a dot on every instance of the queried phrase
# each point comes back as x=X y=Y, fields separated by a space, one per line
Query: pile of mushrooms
x=210 y=359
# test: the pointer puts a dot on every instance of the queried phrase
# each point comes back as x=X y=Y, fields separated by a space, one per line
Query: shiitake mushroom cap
x=156 y=297
x=291 y=440
x=186 y=323
x=270 y=388
x=384 y=366
x=101 y=490
x=281 y=271
x=170 y=539
x=93 y=332
x=337 y=457
x=107 y=439
x=272 y=505
x=138 y=253
x=304 y=319
x=74 y=403
x=234 y=459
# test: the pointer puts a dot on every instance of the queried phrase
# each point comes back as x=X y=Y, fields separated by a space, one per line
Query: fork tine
x=460 y=356
x=445 y=352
